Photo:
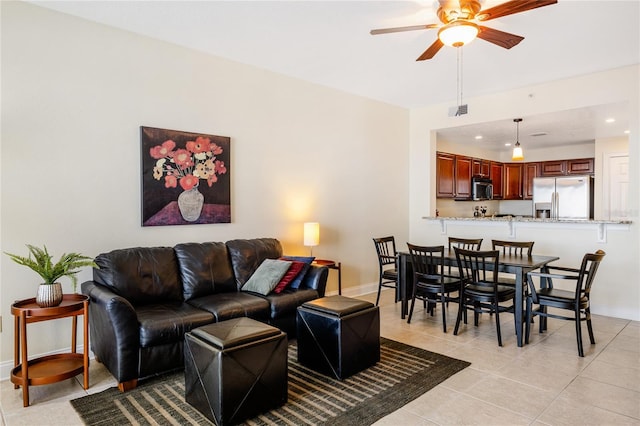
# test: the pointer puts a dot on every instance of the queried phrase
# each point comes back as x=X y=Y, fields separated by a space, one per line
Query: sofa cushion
x=307 y=260
x=205 y=269
x=267 y=276
x=142 y=275
x=225 y=306
x=247 y=255
x=293 y=271
x=167 y=322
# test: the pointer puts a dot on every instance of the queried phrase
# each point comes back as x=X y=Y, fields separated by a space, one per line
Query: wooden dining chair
x=388 y=264
x=479 y=287
x=430 y=284
x=578 y=300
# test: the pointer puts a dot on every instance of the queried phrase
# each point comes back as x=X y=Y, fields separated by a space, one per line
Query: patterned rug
x=403 y=374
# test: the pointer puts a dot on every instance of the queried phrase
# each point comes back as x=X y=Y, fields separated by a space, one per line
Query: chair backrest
x=386 y=250
x=513 y=247
x=465 y=243
x=588 y=269
x=478 y=267
x=427 y=262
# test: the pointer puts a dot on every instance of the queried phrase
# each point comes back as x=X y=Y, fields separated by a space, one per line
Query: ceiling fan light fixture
x=458 y=33
x=517 y=149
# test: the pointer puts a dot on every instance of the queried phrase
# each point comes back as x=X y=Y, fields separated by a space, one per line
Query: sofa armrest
x=316 y=279
x=115 y=333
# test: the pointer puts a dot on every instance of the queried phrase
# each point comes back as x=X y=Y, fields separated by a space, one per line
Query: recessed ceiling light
x=478 y=137
x=507 y=144
x=626 y=132
x=610 y=120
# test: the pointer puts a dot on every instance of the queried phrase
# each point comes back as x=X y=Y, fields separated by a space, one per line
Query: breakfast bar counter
x=601 y=227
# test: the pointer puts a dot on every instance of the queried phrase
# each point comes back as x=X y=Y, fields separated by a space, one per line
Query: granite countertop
x=527 y=219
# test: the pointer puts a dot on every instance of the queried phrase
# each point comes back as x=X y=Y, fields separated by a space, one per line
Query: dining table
x=519 y=265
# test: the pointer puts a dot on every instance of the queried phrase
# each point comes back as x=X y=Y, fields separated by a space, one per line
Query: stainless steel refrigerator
x=567 y=197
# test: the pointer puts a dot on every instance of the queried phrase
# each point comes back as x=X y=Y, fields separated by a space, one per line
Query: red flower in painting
x=188 y=182
x=219 y=167
x=170 y=181
x=164 y=150
x=215 y=149
x=200 y=145
x=183 y=158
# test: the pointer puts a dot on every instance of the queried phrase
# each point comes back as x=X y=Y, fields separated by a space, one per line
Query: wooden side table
x=50 y=368
x=331 y=264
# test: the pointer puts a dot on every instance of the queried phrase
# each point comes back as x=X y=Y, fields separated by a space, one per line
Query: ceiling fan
x=460 y=24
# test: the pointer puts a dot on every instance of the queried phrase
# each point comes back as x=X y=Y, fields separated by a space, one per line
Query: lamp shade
x=458 y=33
x=311 y=234
x=517 y=153
x=517 y=149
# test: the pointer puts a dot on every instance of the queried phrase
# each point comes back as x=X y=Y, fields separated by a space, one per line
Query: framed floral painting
x=185 y=177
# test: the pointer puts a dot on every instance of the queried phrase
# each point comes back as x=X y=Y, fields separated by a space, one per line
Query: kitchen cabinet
x=463 y=176
x=445 y=175
x=580 y=166
x=496 y=172
x=530 y=171
x=481 y=167
x=512 y=181
x=553 y=168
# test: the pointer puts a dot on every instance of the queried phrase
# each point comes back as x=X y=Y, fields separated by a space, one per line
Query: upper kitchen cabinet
x=496 y=173
x=530 y=171
x=481 y=167
x=512 y=181
x=581 y=166
x=464 y=167
x=453 y=176
x=445 y=175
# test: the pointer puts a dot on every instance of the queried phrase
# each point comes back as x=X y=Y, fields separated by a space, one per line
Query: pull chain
x=459 y=79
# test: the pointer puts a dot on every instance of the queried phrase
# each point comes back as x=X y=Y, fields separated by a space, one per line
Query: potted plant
x=40 y=261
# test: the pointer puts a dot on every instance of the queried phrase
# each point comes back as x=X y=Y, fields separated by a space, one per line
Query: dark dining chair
x=479 y=287
x=388 y=264
x=463 y=243
x=430 y=284
x=517 y=248
x=577 y=300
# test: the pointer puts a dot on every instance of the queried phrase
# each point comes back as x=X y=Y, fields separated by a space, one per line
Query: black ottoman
x=338 y=336
x=235 y=369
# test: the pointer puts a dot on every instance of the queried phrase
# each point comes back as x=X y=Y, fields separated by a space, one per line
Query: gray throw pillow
x=267 y=276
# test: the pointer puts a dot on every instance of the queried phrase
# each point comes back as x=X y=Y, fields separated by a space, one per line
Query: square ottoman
x=338 y=336
x=235 y=369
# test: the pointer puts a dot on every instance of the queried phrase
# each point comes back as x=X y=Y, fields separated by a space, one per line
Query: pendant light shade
x=517 y=149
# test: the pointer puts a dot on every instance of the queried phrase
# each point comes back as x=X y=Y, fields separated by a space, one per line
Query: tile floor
x=543 y=383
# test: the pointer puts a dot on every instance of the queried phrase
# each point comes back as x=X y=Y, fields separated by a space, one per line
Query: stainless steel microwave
x=481 y=188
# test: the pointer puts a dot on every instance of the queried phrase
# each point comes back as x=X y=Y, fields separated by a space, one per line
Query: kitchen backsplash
x=451 y=208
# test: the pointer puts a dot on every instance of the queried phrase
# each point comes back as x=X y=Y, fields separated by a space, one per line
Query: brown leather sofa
x=143 y=300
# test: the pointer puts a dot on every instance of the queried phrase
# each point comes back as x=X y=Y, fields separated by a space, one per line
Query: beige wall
x=74 y=94
x=614 y=293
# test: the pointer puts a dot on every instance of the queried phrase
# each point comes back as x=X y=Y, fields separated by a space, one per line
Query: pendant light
x=517 y=149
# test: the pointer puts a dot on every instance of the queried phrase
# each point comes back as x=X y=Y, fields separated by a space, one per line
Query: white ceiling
x=328 y=43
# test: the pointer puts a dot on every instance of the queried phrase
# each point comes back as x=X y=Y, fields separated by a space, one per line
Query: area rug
x=403 y=374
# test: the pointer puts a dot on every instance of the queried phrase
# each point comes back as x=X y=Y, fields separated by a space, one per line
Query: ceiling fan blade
x=500 y=38
x=511 y=7
x=431 y=51
x=401 y=29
